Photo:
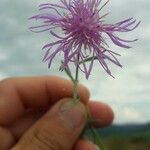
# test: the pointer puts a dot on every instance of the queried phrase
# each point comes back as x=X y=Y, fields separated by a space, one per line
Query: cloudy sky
x=128 y=93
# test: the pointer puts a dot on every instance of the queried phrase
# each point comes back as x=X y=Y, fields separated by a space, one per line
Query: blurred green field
x=135 y=142
x=125 y=137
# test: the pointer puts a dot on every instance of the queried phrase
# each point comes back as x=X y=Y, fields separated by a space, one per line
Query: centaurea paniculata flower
x=83 y=39
x=83 y=27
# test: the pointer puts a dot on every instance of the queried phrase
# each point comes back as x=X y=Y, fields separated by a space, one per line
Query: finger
x=58 y=129
x=19 y=127
x=85 y=145
x=9 y=135
x=6 y=139
x=18 y=93
x=101 y=113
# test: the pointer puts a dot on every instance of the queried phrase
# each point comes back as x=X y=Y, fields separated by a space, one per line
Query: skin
x=24 y=101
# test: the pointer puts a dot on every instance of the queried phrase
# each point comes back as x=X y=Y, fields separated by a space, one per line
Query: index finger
x=16 y=94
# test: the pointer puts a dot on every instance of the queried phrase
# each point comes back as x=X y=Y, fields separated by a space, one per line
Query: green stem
x=90 y=121
x=75 y=91
x=90 y=132
x=69 y=74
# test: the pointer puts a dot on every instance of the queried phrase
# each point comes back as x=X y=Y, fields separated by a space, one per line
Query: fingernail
x=96 y=147
x=74 y=114
x=93 y=146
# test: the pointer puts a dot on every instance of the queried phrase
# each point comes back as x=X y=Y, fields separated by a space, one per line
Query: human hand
x=35 y=114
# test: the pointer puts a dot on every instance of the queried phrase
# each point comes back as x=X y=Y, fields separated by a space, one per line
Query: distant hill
x=123 y=137
x=126 y=130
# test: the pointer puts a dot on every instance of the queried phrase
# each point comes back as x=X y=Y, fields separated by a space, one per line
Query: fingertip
x=82 y=144
x=102 y=113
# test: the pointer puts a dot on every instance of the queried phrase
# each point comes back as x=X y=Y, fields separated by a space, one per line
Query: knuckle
x=49 y=140
x=6 y=82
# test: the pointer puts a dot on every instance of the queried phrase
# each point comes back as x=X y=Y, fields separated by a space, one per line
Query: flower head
x=83 y=27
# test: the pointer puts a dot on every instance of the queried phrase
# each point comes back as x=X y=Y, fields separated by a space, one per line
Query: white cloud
x=131 y=115
x=128 y=114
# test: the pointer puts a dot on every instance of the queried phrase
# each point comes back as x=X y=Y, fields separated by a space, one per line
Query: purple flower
x=84 y=31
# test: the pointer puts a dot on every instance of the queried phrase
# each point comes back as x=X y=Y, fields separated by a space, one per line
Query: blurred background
x=128 y=94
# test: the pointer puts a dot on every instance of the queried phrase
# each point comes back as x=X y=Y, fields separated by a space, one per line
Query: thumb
x=58 y=129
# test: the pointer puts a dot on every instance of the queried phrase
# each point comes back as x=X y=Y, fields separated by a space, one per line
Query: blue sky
x=128 y=93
